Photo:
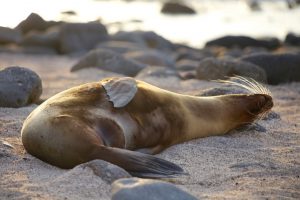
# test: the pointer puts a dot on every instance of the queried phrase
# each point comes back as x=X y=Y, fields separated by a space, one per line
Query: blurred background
x=195 y=23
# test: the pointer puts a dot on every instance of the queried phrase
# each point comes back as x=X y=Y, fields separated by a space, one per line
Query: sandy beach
x=182 y=48
x=246 y=164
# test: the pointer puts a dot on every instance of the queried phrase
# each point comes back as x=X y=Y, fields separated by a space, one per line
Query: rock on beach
x=147 y=189
x=110 y=61
x=280 y=68
x=214 y=69
x=19 y=87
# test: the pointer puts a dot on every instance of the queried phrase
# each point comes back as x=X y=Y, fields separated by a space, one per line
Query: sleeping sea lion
x=123 y=121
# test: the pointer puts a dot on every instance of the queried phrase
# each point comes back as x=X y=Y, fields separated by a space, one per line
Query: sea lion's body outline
x=152 y=120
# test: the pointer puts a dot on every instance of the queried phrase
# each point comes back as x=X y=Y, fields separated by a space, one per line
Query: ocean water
x=214 y=18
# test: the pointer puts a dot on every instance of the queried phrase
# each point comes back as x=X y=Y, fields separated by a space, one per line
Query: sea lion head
x=259 y=104
x=252 y=106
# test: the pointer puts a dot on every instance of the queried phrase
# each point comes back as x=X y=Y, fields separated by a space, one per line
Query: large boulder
x=35 y=22
x=148 y=39
x=8 y=35
x=49 y=38
x=279 y=68
x=121 y=46
x=81 y=37
x=156 y=71
x=110 y=61
x=213 y=69
x=243 y=42
x=151 y=57
x=19 y=87
x=146 y=189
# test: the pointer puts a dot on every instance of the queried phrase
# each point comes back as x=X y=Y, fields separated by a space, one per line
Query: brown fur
x=80 y=124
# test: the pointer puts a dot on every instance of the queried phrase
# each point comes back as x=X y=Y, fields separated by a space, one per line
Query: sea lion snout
x=260 y=103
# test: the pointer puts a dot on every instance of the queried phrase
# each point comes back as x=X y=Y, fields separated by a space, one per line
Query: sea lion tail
x=139 y=164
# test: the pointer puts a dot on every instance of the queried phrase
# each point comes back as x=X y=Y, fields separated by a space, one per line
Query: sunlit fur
x=82 y=124
x=251 y=86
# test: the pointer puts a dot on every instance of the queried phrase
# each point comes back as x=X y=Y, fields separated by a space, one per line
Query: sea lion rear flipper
x=138 y=164
x=120 y=91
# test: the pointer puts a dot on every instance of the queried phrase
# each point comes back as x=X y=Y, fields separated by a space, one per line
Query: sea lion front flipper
x=120 y=91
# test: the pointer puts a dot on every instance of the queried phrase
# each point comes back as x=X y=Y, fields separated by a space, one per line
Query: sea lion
x=121 y=120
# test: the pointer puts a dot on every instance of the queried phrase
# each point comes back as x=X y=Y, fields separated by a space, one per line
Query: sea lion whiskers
x=249 y=84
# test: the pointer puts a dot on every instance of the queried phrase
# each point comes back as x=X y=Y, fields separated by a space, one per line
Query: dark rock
x=244 y=41
x=35 y=22
x=185 y=75
x=186 y=65
x=193 y=54
x=121 y=46
x=254 y=5
x=176 y=8
x=213 y=69
x=238 y=52
x=147 y=39
x=105 y=170
x=69 y=12
x=146 y=189
x=279 y=68
x=292 y=3
x=110 y=61
x=19 y=87
x=49 y=38
x=292 y=39
x=81 y=37
x=8 y=35
x=155 y=71
x=151 y=57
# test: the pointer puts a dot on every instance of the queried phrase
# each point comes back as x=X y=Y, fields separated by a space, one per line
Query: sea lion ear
x=120 y=91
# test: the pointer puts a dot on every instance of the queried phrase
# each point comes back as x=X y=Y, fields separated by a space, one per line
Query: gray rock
x=213 y=69
x=279 y=68
x=8 y=35
x=155 y=71
x=19 y=87
x=186 y=65
x=146 y=189
x=105 y=170
x=185 y=75
x=147 y=39
x=121 y=46
x=110 y=61
x=292 y=39
x=151 y=57
x=49 y=38
x=188 y=53
x=244 y=41
x=176 y=8
x=35 y=22
x=81 y=37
